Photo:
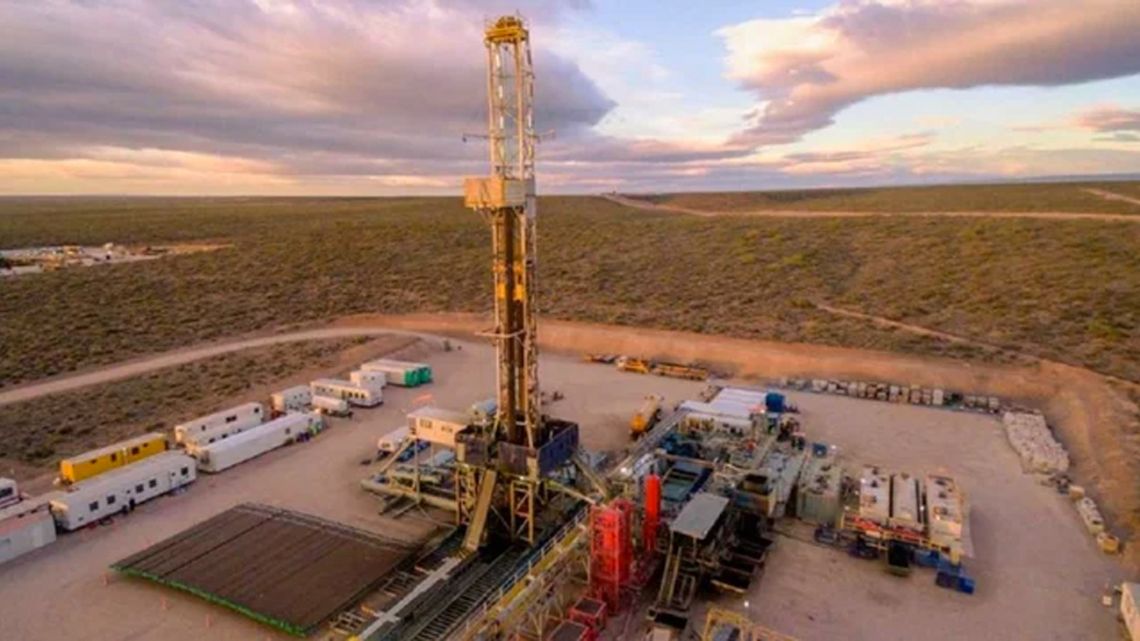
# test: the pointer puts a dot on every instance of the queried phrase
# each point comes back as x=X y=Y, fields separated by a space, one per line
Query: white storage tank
x=239 y=417
x=25 y=526
x=121 y=489
x=437 y=425
x=293 y=399
x=222 y=455
x=348 y=391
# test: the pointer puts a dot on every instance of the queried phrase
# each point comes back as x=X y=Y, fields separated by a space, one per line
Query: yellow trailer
x=104 y=459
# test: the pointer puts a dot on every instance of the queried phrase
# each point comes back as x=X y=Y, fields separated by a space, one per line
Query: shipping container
x=120 y=490
x=271 y=435
x=369 y=379
x=331 y=406
x=391 y=442
x=25 y=526
x=437 y=425
x=400 y=373
x=348 y=391
x=293 y=399
x=90 y=464
x=906 y=508
x=240 y=417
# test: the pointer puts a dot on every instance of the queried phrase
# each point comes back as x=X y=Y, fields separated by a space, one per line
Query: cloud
x=806 y=69
x=377 y=88
x=1108 y=119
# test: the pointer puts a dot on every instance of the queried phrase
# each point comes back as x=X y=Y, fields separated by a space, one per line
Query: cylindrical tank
x=652 y=511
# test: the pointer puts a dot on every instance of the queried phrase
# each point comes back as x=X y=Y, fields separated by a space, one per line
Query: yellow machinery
x=104 y=459
x=647 y=416
x=635 y=365
x=720 y=620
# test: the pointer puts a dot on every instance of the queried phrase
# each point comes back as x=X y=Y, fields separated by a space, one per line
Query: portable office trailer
x=390 y=443
x=906 y=508
x=271 y=435
x=348 y=391
x=25 y=526
x=437 y=425
x=400 y=373
x=9 y=493
x=119 y=491
x=331 y=406
x=369 y=379
x=240 y=417
x=293 y=399
x=90 y=464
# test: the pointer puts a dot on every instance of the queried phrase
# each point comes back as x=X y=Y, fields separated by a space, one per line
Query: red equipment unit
x=611 y=551
x=652 y=513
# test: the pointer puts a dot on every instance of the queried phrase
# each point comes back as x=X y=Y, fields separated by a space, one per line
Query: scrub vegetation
x=1035 y=197
x=1068 y=290
x=57 y=426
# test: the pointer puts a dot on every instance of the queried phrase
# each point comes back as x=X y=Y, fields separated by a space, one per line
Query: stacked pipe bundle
x=1034 y=443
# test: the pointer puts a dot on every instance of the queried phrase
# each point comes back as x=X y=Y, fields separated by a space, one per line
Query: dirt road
x=146 y=364
x=799 y=213
x=1109 y=195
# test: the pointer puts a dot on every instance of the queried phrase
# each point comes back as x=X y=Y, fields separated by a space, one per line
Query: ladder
x=478 y=522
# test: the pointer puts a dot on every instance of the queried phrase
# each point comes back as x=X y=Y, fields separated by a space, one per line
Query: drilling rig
x=505 y=468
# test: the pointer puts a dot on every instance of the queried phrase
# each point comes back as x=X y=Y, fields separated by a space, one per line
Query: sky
x=373 y=97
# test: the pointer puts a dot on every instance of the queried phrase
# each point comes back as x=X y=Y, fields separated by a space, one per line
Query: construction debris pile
x=1034 y=443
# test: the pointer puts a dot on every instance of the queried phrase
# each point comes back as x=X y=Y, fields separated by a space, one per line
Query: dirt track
x=1095 y=420
x=1108 y=195
x=799 y=213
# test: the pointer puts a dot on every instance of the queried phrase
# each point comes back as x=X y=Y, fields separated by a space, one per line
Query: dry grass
x=1046 y=197
x=37 y=432
x=1067 y=290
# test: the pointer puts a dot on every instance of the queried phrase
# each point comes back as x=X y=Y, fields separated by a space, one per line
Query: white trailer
x=121 y=489
x=331 y=406
x=216 y=434
x=369 y=379
x=222 y=455
x=293 y=399
x=25 y=526
x=390 y=443
x=348 y=391
x=240 y=417
x=9 y=493
x=400 y=373
x=437 y=425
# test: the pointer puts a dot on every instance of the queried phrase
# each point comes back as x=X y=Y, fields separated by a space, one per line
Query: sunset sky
x=364 y=97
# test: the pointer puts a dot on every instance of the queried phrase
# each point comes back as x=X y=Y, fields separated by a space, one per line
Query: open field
x=1034 y=197
x=1018 y=595
x=41 y=431
x=1064 y=290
